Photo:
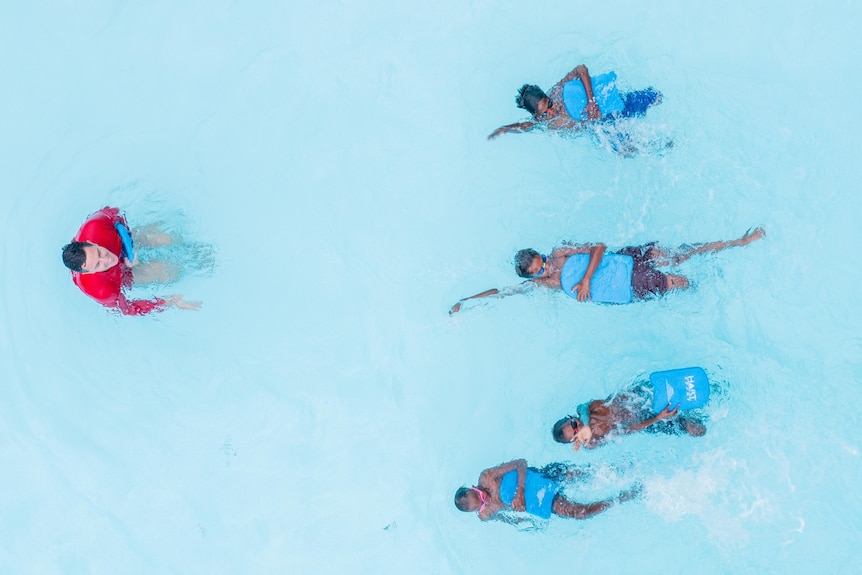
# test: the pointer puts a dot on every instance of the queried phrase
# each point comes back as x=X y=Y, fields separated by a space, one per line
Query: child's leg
x=155 y=271
x=676 y=282
x=686 y=252
x=152 y=236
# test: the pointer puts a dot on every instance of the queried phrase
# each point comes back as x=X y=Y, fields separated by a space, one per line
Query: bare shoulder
x=487 y=477
x=556 y=97
x=563 y=122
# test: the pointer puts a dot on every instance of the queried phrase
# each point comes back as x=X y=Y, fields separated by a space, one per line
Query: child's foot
x=633 y=493
x=693 y=428
x=676 y=282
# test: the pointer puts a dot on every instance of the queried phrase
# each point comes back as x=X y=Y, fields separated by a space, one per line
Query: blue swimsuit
x=539 y=491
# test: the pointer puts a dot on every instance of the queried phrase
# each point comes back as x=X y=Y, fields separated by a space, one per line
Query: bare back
x=609 y=417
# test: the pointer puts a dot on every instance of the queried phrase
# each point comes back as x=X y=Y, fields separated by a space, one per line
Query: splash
x=715 y=491
x=630 y=138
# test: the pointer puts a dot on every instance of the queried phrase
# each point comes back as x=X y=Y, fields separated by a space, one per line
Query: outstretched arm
x=581 y=73
x=516 y=128
x=145 y=306
x=521 y=288
x=665 y=413
x=457 y=307
x=141 y=306
x=178 y=302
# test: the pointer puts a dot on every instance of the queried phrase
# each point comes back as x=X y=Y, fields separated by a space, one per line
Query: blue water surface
x=318 y=413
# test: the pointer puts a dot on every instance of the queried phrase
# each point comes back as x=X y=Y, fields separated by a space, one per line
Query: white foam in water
x=630 y=137
x=320 y=410
x=691 y=491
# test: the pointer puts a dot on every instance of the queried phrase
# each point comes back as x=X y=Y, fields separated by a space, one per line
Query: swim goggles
x=541 y=271
x=575 y=423
x=481 y=496
x=544 y=115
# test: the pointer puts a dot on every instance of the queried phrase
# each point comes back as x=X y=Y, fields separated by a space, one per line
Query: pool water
x=318 y=413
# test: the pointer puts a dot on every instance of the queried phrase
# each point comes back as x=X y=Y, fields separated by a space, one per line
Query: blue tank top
x=539 y=492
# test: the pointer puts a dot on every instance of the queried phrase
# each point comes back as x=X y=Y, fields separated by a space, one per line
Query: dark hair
x=461 y=498
x=557 y=431
x=529 y=97
x=523 y=261
x=74 y=256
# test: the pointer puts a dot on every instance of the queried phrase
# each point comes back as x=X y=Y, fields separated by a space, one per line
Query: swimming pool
x=318 y=413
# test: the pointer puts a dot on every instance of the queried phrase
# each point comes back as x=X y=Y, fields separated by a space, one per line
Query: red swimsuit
x=107 y=287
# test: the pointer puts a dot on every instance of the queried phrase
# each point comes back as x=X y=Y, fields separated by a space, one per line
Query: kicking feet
x=676 y=282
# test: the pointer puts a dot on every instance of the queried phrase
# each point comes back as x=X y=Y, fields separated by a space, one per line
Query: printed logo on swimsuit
x=540 y=495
